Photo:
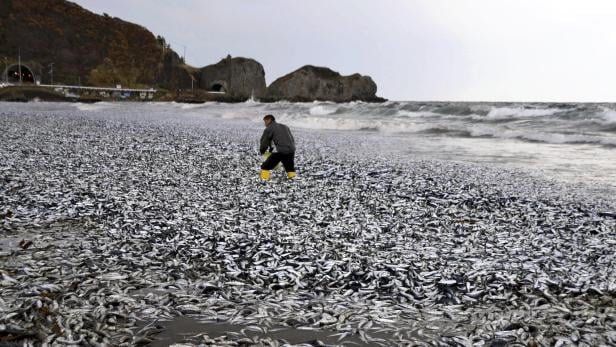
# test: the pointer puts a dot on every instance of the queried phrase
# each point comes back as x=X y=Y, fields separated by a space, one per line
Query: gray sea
x=570 y=142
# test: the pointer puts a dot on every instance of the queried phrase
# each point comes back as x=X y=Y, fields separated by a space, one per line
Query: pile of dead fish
x=113 y=224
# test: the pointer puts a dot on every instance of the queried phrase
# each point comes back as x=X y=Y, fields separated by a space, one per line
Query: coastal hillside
x=84 y=47
x=99 y=50
x=60 y=42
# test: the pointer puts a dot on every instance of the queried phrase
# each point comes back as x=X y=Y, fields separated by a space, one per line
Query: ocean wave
x=416 y=114
x=545 y=123
x=238 y=115
x=520 y=112
x=353 y=123
x=446 y=131
x=252 y=101
x=540 y=136
x=555 y=138
x=412 y=107
x=191 y=106
x=608 y=115
x=322 y=123
x=93 y=107
x=323 y=110
x=407 y=122
x=456 y=110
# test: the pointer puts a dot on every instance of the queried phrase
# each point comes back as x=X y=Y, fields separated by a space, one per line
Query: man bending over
x=278 y=141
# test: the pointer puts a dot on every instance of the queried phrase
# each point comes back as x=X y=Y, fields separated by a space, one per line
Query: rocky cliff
x=319 y=83
x=175 y=74
x=238 y=77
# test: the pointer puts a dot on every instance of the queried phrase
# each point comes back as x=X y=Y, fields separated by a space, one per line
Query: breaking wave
x=519 y=112
x=321 y=123
x=609 y=115
x=322 y=110
x=540 y=136
x=93 y=107
x=530 y=122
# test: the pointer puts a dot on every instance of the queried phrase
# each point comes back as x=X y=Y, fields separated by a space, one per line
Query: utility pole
x=192 y=85
x=184 y=54
x=51 y=71
x=19 y=64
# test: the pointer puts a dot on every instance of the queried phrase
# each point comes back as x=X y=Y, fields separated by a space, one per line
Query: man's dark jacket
x=279 y=138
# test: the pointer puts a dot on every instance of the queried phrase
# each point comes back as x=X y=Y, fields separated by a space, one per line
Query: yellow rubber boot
x=265 y=175
x=291 y=175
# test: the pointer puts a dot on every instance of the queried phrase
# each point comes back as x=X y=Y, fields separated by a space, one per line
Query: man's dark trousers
x=287 y=159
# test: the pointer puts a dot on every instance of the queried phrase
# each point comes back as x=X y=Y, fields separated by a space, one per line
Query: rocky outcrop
x=311 y=83
x=174 y=74
x=238 y=77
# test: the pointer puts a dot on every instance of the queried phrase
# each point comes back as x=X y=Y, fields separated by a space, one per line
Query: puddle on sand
x=31 y=241
x=11 y=242
x=39 y=238
x=182 y=328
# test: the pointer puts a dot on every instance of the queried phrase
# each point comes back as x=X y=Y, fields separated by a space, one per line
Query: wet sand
x=184 y=329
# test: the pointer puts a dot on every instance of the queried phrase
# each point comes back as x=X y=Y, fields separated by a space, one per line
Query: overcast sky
x=468 y=50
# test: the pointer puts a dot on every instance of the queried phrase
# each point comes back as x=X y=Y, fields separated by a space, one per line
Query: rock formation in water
x=238 y=77
x=311 y=83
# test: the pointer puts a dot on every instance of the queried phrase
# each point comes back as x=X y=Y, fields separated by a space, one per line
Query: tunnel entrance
x=218 y=87
x=12 y=74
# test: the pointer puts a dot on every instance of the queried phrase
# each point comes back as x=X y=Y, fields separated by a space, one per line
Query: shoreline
x=178 y=224
x=30 y=93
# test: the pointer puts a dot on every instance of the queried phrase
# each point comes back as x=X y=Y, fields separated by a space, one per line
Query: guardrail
x=105 y=89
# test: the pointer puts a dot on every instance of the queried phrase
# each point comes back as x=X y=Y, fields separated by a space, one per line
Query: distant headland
x=57 y=50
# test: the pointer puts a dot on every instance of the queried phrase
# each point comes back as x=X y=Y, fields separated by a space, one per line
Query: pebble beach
x=123 y=226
